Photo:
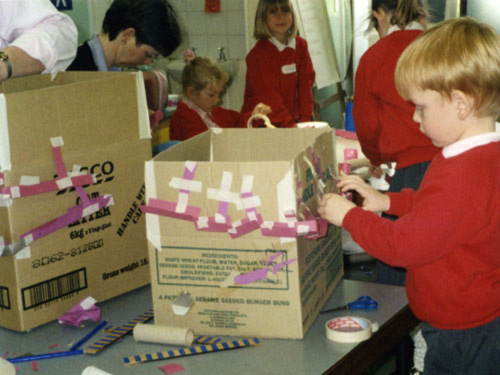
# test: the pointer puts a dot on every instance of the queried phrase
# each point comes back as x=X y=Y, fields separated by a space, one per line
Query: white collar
x=412 y=26
x=205 y=116
x=280 y=46
x=467 y=144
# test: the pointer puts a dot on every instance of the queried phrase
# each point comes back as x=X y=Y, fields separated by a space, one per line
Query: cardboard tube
x=91 y=370
x=163 y=334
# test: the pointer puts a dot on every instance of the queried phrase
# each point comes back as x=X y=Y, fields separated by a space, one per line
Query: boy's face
x=437 y=117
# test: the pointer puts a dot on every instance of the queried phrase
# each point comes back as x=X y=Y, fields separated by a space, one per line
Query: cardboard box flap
x=196 y=149
x=214 y=190
x=261 y=144
x=117 y=117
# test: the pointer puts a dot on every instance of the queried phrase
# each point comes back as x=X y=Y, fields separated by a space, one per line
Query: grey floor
x=362 y=267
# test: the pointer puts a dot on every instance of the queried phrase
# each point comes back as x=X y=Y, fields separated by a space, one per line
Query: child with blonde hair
x=279 y=69
x=203 y=84
x=448 y=232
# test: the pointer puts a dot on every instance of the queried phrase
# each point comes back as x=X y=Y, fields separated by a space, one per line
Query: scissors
x=362 y=303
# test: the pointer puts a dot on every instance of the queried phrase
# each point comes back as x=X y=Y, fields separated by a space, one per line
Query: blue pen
x=89 y=335
x=44 y=356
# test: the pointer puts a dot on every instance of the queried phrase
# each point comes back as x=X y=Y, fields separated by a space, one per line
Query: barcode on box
x=53 y=289
x=4 y=298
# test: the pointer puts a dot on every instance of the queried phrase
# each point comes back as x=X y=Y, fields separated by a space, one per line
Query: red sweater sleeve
x=185 y=123
x=365 y=113
x=448 y=241
x=228 y=118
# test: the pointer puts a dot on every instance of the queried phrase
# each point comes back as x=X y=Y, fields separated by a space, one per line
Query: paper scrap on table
x=172 y=368
x=7 y=368
x=91 y=370
x=182 y=303
x=84 y=310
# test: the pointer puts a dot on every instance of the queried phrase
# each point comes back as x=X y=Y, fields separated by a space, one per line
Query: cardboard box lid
x=36 y=108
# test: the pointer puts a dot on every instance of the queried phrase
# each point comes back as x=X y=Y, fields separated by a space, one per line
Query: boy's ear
x=463 y=104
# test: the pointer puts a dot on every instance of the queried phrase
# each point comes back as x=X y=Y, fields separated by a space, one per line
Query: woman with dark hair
x=134 y=32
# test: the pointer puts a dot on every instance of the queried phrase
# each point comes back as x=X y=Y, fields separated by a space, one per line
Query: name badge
x=290 y=68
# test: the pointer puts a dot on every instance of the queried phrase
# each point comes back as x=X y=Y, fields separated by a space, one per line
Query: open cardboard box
x=231 y=224
x=62 y=237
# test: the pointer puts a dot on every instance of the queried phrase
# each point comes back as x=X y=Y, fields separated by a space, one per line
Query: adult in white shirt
x=34 y=38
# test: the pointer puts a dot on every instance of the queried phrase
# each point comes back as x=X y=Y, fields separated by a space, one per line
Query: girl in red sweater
x=203 y=82
x=383 y=119
x=279 y=69
x=448 y=232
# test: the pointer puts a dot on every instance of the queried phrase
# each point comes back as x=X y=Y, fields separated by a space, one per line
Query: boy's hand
x=373 y=200
x=333 y=208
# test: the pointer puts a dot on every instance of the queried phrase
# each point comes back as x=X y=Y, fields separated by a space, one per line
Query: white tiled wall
x=208 y=31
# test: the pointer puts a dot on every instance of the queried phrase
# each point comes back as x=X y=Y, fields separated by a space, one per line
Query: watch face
x=3 y=56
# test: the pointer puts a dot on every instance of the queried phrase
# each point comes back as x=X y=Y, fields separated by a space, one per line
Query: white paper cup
x=313 y=124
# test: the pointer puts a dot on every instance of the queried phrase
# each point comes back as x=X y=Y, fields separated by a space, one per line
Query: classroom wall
x=486 y=11
x=208 y=31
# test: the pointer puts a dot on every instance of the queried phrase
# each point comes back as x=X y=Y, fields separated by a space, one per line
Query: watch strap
x=5 y=58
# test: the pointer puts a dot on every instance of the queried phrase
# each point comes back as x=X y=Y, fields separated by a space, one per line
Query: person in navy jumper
x=448 y=232
x=279 y=69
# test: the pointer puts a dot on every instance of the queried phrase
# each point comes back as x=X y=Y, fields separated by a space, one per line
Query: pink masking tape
x=261 y=273
x=86 y=309
x=253 y=221
x=213 y=224
x=350 y=154
x=321 y=225
x=281 y=265
x=180 y=209
x=166 y=208
x=291 y=229
x=251 y=277
x=172 y=368
x=221 y=222
x=74 y=213
x=346 y=134
x=46 y=186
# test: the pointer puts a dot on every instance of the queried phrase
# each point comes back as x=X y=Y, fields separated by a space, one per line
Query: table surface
x=315 y=354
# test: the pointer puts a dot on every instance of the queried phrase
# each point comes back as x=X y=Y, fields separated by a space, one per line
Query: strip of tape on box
x=5 y=162
x=152 y=220
x=142 y=107
x=286 y=199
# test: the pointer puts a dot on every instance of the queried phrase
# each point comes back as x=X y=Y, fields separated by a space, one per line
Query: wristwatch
x=5 y=58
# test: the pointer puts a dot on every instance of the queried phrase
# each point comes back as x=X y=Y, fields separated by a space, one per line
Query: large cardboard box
x=62 y=237
x=231 y=224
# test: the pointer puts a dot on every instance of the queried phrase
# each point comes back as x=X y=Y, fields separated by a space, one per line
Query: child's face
x=279 y=21
x=437 y=117
x=207 y=98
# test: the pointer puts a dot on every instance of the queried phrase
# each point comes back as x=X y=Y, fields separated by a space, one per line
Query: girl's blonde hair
x=457 y=54
x=201 y=72
x=403 y=12
x=261 y=31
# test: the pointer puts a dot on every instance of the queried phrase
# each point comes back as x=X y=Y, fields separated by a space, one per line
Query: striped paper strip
x=119 y=332
x=193 y=350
